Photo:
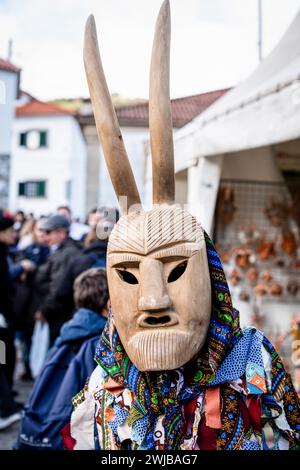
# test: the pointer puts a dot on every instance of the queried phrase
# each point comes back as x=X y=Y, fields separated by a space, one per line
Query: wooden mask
x=157 y=265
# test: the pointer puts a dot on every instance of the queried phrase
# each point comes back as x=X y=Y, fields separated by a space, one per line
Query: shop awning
x=261 y=111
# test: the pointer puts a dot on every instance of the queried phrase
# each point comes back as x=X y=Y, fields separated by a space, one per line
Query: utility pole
x=260 y=57
x=9 y=50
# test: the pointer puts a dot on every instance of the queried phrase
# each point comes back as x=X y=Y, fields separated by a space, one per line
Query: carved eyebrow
x=119 y=258
x=176 y=252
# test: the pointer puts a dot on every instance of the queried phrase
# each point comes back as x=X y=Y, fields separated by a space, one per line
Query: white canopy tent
x=263 y=110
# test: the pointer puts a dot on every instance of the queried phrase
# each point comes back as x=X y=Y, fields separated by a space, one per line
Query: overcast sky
x=214 y=42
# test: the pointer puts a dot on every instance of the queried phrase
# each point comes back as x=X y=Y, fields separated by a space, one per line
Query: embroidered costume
x=235 y=395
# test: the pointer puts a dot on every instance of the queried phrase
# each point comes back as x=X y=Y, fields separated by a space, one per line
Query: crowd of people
x=52 y=272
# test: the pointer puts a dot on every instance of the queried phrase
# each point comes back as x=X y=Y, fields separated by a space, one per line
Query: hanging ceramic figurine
x=174 y=369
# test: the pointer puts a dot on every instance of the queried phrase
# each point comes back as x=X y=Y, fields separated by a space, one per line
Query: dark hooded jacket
x=69 y=364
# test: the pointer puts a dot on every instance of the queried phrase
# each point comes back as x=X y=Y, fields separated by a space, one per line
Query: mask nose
x=153 y=292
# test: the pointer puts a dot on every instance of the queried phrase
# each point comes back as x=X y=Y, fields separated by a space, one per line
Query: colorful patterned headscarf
x=225 y=355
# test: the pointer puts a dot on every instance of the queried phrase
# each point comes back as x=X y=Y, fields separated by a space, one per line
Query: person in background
x=77 y=230
x=49 y=275
x=9 y=410
x=93 y=255
x=19 y=219
x=19 y=269
x=69 y=363
x=93 y=218
x=103 y=213
x=37 y=252
x=26 y=235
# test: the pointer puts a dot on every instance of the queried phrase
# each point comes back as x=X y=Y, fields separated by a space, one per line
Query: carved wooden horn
x=108 y=129
x=160 y=118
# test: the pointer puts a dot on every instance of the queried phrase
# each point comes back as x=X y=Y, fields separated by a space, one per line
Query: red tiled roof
x=183 y=110
x=39 y=108
x=186 y=109
x=6 y=65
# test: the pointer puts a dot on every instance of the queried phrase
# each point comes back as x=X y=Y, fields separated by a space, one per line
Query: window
x=23 y=139
x=32 y=189
x=33 y=139
x=43 y=139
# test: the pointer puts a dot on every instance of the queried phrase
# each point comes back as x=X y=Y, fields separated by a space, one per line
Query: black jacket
x=47 y=281
x=89 y=258
x=5 y=285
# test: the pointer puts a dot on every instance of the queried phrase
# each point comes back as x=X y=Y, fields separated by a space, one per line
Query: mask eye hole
x=128 y=277
x=177 y=272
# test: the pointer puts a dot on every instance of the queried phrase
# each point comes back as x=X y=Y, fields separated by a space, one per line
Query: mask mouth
x=157 y=320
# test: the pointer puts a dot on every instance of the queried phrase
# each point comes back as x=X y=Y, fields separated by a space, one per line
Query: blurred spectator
x=69 y=364
x=50 y=274
x=94 y=253
x=8 y=408
x=104 y=213
x=26 y=234
x=77 y=230
x=37 y=252
x=93 y=218
x=17 y=269
x=20 y=219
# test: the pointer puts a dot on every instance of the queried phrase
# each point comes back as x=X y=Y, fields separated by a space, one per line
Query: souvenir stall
x=257 y=233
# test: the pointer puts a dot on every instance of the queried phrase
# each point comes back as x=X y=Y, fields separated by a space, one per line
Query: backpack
x=49 y=406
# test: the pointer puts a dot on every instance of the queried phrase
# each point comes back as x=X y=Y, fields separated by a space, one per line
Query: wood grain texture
x=145 y=232
x=160 y=118
x=106 y=120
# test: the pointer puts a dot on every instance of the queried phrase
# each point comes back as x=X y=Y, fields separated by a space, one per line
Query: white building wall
x=8 y=94
x=135 y=140
x=58 y=163
x=78 y=171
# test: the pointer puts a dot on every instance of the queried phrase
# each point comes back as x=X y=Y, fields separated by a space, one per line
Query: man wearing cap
x=48 y=276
